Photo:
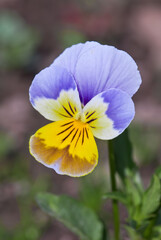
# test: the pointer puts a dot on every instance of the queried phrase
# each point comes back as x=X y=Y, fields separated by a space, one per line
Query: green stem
x=115 y=207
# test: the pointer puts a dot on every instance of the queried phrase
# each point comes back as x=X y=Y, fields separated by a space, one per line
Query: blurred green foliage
x=20 y=187
x=6 y=145
x=18 y=41
x=69 y=37
x=32 y=221
x=146 y=142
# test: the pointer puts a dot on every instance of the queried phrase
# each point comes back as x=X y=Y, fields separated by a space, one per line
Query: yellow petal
x=66 y=146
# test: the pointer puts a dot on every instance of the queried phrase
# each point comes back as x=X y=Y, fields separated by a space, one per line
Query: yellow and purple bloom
x=87 y=92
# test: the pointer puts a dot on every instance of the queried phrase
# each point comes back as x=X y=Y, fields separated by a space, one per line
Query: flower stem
x=115 y=207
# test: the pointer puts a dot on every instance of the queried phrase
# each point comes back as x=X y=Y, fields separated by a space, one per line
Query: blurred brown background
x=32 y=34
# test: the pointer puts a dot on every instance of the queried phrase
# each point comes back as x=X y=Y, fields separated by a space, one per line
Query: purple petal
x=97 y=68
x=50 y=82
x=53 y=93
x=120 y=109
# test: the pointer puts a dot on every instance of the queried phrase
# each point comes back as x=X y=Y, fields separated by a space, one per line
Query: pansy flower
x=86 y=92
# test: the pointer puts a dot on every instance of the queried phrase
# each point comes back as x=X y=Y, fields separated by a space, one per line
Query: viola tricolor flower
x=86 y=92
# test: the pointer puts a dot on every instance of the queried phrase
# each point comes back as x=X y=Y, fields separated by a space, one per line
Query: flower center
x=80 y=116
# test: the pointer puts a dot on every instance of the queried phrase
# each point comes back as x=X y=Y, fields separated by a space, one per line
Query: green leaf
x=151 y=198
x=77 y=217
x=133 y=198
x=133 y=192
x=123 y=154
x=118 y=195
